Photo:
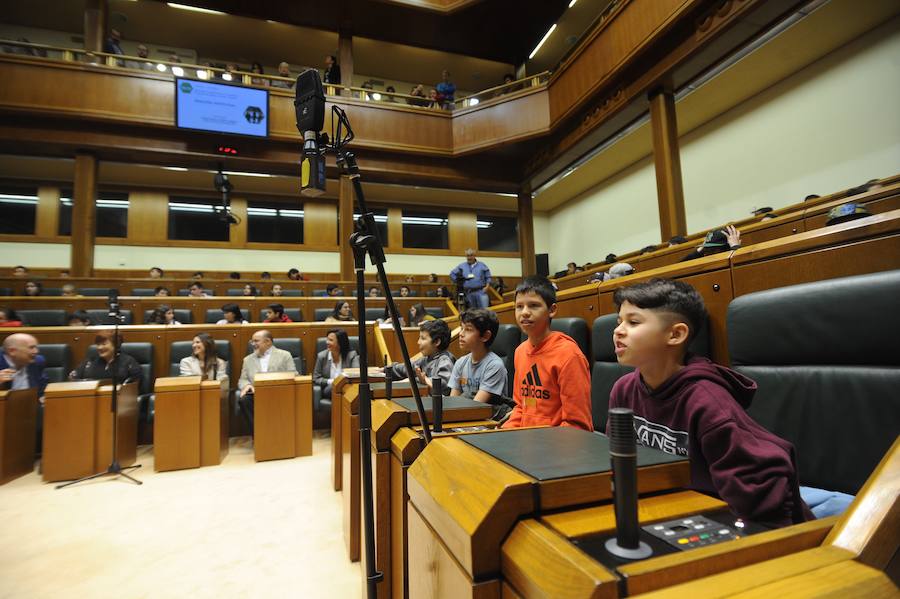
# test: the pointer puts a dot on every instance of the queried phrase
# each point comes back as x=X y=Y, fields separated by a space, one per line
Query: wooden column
x=83 y=215
x=526 y=233
x=345 y=56
x=47 y=212
x=345 y=228
x=670 y=193
x=238 y=232
x=95 y=15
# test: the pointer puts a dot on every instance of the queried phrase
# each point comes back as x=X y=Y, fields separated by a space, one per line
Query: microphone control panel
x=695 y=531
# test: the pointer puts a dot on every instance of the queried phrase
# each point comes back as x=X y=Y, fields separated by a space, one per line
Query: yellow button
x=682 y=541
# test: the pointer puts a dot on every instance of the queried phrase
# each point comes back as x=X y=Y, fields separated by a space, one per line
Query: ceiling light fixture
x=201 y=74
x=195 y=8
x=572 y=3
x=541 y=43
x=178 y=71
x=227 y=76
x=161 y=68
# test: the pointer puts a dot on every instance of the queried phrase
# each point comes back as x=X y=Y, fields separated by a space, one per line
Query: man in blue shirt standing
x=476 y=278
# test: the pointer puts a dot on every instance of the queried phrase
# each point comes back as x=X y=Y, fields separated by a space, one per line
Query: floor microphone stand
x=365 y=242
x=114 y=468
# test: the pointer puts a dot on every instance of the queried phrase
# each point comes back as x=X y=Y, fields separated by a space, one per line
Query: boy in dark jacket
x=687 y=405
x=436 y=361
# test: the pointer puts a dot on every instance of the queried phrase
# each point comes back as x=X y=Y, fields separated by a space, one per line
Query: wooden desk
x=18 y=432
x=176 y=423
x=282 y=418
x=348 y=377
x=214 y=414
x=78 y=429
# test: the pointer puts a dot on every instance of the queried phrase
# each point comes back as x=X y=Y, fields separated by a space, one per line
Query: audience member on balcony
x=163 y=314
x=233 y=275
x=266 y=276
x=265 y=358
x=720 y=240
x=404 y=291
x=161 y=291
x=9 y=318
x=419 y=92
x=277 y=290
x=341 y=313
x=446 y=90
x=79 y=318
x=68 y=290
x=332 y=71
x=258 y=68
x=102 y=367
x=196 y=290
x=677 y=240
x=230 y=73
x=231 y=315
x=144 y=53
x=418 y=314
x=20 y=272
x=33 y=288
x=22 y=365
x=389 y=90
x=295 y=275
x=156 y=273
x=331 y=361
x=204 y=360
x=367 y=85
x=112 y=45
x=507 y=88
x=434 y=100
x=333 y=290
x=275 y=313
x=284 y=70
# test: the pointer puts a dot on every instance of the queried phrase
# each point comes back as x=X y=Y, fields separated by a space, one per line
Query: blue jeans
x=825 y=503
x=478 y=299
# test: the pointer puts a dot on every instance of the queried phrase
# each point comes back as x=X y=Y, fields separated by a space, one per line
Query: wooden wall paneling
x=47 y=224
x=520 y=118
x=526 y=232
x=667 y=160
x=345 y=56
x=320 y=222
x=148 y=219
x=238 y=232
x=395 y=229
x=462 y=233
x=83 y=215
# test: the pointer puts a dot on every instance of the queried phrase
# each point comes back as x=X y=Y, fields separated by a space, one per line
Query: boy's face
x=645 y=336
x=426 y=345
x=470 y=337
x=532 y=313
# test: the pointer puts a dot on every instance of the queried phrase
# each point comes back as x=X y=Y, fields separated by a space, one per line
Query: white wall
x=541 y=232
x=36 y=255
x=442 y=265
x=617 y=216
x=117 y=256
x=833 y=125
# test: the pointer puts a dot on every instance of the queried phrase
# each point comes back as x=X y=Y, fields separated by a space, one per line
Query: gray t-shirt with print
x=487 y=375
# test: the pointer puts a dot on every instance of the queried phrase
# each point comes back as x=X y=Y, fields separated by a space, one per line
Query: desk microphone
x=388 y=379
x=623 y=457
x=437 y=405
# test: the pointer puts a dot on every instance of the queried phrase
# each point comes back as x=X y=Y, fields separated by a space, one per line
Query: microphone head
x=309 y=102
x=621 y=431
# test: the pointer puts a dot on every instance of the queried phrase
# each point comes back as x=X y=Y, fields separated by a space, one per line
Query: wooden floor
x=242 y=529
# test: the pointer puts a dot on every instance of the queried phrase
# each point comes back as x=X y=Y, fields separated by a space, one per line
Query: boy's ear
x=551 y=312
x=678 y=334
x=486 y=336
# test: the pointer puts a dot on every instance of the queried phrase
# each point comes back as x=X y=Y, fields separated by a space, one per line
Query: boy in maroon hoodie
x=687 y=405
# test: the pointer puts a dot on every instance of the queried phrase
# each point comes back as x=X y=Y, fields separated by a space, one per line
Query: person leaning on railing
x=284 y=70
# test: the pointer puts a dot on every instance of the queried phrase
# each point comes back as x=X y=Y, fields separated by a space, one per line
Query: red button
x=695 y=538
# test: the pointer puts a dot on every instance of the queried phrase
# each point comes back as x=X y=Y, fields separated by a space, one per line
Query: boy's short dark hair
x=438 y=330
x=540 y=285
x=482 y=319
x=666 y=295
x=276 y=308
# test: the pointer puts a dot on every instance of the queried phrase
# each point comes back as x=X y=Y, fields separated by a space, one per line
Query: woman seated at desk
x=332 y=360
x=418 y=314
x=163 y=315
x=101 y=367
x=341 y=312
x=204 y=360
x=231 y=314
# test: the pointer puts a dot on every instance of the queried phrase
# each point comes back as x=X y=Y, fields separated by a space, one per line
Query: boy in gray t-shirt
x=481 y=374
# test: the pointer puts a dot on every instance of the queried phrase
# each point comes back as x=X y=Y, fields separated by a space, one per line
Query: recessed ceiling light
x=541 y=43
x=195 y=8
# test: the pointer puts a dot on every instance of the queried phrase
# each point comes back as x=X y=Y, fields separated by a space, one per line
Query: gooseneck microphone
x=437 y=404
x=623 y=457
x=388 y=380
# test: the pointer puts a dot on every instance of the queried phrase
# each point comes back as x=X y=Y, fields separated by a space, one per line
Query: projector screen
x=221 y=108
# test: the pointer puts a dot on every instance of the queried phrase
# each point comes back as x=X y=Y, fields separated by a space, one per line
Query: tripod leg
x=134 y=480
x=83 y=479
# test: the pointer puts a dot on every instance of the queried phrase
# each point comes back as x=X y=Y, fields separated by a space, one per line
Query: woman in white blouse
x=204 y=361
x=332 y=360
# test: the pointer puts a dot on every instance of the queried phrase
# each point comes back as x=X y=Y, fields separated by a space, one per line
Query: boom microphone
x=623 y=457
x=309 y=110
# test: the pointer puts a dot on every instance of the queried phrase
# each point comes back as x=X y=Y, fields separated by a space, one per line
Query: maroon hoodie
x=699 y=412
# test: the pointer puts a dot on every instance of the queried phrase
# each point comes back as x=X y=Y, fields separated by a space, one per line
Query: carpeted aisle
x=241 y=529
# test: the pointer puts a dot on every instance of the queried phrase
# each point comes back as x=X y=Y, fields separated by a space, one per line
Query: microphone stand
x=364 y=241
x=114 y=468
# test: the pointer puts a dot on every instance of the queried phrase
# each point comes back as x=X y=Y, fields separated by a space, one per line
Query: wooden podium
x=348 y=378
x=190 y=426
x=78 y=429
x=391 y=419
x=18 y=433
x=282 y=416
x=492 y=515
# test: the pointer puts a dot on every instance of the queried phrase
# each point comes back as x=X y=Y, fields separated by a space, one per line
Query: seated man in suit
x=21 y=366
x=266 y=358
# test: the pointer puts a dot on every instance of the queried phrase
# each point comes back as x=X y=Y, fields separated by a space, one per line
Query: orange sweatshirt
x=552 y=385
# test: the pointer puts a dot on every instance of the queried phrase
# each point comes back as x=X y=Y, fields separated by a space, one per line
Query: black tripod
x=114 y=468
x=365 y=242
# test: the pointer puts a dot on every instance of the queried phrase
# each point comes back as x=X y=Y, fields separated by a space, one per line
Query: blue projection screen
x=222 y=108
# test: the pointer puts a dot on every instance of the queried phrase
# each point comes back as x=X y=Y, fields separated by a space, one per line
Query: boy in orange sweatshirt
x=552 y=385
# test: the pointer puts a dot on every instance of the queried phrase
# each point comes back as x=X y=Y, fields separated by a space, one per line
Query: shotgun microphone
x=623 y=457
x=437 y=405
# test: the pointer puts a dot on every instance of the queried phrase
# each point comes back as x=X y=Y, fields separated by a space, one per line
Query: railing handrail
x=497 y=88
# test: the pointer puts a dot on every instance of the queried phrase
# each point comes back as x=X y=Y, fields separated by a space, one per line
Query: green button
x=704 y=536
